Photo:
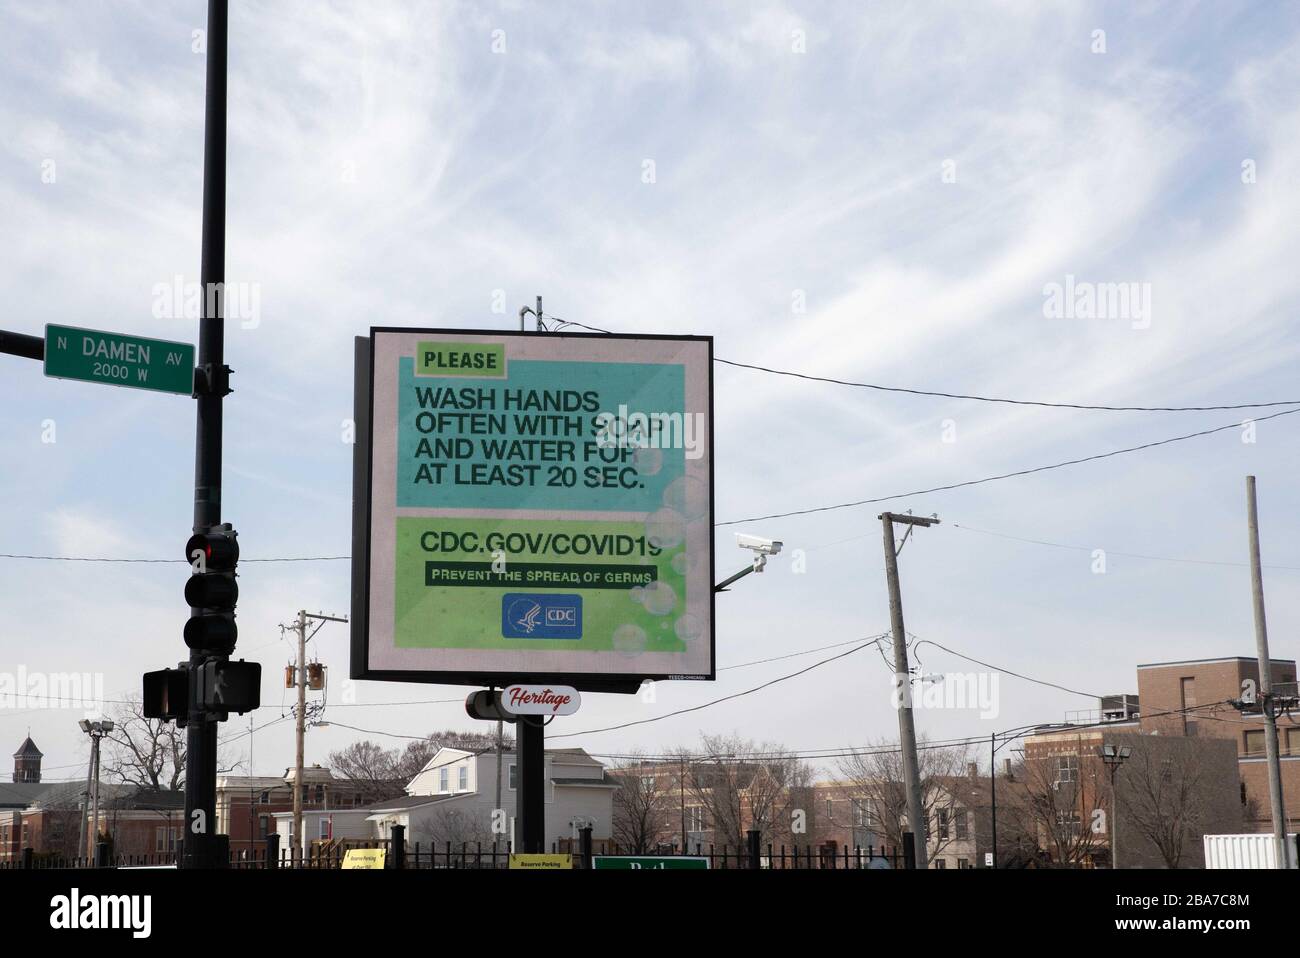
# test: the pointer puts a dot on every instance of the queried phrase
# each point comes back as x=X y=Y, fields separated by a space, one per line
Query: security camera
x=764 y=547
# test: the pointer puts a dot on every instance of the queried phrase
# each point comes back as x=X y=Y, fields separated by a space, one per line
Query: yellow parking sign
x=541 y=862
x=364 y=858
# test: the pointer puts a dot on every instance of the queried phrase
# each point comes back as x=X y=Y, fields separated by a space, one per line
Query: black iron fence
x=496 y=855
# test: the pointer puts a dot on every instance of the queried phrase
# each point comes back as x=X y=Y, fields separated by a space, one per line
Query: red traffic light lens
x=218 y=550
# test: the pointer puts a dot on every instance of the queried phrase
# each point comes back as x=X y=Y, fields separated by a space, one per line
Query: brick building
x=47 y=816
x=1195 y=767
x=1191 y=690
x=247 y=804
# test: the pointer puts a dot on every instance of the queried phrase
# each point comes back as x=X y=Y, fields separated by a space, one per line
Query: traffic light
x=211 y=590
x=230 y=686
x=166 y=695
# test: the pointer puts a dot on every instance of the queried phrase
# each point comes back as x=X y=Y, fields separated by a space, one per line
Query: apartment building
x=1187 y=698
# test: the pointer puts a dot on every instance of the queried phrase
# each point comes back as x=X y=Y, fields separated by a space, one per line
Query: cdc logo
x=540 y=616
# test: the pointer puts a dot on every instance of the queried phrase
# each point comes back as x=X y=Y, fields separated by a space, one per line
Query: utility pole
x=93 y=837
x=211 y=386
x=300 y=729
x=500 y=747
x=300 y=721
x=1266 y=682
x=85 y=803
x=903 y=683
x=96 y=730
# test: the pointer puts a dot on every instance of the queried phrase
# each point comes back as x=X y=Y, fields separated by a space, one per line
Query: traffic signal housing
x=166 y=695
x=212 y=590
x=230 y=686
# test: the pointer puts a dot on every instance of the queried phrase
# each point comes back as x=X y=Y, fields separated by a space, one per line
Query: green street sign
x=652 y=862
x=98 y=357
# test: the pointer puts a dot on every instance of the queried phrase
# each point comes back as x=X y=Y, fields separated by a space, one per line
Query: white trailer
x=1255 y=850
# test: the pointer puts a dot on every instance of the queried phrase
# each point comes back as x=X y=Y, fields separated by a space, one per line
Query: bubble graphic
x=648 y=461
x=688 y=628
x=688 y=497
x=659 y=598
x=629 y=638
x=665 y=528
x=681 y=563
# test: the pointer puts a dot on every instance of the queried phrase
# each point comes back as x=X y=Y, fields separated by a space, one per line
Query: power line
x=1005 y=475
x=911 y=391
x=1126 y=555
x=994 y=399
x=725 y=698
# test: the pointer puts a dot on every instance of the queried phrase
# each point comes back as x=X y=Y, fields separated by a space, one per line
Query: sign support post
x=531 y=750
x=200 y=848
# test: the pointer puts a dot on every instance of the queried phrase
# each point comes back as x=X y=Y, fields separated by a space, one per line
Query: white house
x=452 y=799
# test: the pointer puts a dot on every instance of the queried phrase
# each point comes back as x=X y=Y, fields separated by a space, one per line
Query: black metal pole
x=993 y=792
x=201 y=730
x=21 y=344
x=531 y=751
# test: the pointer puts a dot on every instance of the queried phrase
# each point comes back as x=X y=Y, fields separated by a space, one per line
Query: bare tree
x=642 y=805
x=458 y=827
x=1063 y=795
x=371 y=769
x=146 y=752
x=1163 y=788
x=743 y=785
x=876 y=773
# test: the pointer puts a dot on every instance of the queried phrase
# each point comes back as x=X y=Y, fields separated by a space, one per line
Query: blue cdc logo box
x=527 y=615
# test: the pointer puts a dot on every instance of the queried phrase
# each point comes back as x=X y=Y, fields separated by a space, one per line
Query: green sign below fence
x=626 y=862
x=98 y=357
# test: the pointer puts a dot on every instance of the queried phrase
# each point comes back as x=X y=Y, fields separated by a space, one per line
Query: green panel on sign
x=649 y=862
x=98 y=357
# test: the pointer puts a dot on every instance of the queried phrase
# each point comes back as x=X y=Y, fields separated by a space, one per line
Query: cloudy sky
x=882 y=192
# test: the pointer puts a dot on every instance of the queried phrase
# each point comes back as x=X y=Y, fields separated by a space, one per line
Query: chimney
x=1006 y=768
x=973 y=769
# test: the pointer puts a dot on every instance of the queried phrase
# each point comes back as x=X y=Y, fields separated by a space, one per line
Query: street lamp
x=1114 y=756
x=1010 y=736
x=96 y=730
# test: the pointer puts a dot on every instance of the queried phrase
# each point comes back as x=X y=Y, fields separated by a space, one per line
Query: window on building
x=1187 y=695
x=1067 y=768
x=263 y=826
x=830 y=809
x=697 y=819
x=1255 y=742
x=320 y=794
x=264 y=798
x=511 y=777
x=963 y=863
x=1293 y=741
x=959 y=823
x=462 y=778
x=943 y=815
x=324 y=828
x=1069 y=823
x=940 y=864
x=860 y=818
x=164 y=839
x=444 y=777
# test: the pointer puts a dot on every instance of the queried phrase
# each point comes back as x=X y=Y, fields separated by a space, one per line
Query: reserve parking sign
x=532 y=507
